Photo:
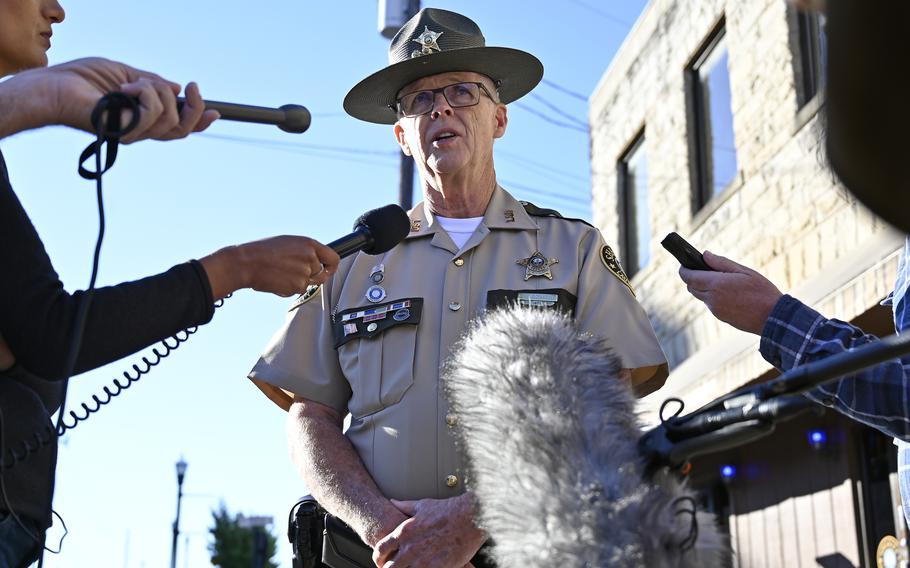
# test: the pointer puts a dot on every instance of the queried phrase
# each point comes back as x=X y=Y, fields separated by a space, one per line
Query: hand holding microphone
x=181 y=116
x=66 y=94
x=160 y=116
x=286 y=265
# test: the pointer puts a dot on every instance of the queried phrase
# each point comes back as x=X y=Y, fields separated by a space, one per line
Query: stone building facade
x=777 y=209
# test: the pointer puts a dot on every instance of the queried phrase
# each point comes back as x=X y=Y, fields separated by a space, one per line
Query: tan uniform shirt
x=386 y=368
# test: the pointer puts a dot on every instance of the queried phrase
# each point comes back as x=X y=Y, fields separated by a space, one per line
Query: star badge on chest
x=537 y=265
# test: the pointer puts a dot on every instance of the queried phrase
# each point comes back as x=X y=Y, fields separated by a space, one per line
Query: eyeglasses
x=458 y=95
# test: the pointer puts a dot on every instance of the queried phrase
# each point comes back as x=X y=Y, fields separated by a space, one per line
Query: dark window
x=813 y=55
x=712 y=146
x=633 y=199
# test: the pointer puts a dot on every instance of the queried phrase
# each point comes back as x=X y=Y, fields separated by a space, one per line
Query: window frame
x=628 y=225
x=809 y=72
x=700 y=174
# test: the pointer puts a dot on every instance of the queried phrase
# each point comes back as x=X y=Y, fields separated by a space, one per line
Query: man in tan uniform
x=372 y=340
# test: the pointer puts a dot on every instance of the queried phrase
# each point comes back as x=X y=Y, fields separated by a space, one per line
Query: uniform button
x=451 y=481
x=454 y=306
x=451 y=419
x=829 y=401
x=458 y=261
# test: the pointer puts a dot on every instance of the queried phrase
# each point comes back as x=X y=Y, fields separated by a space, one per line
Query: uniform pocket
x=399 y=347
x=551 y=298
x=378 y=359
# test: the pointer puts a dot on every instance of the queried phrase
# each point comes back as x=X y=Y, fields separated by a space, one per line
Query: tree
x=234 y=546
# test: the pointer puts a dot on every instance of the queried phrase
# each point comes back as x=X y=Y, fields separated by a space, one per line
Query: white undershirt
x=459 y=229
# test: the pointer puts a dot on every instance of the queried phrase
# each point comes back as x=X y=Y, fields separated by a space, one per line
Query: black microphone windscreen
x=387 y=225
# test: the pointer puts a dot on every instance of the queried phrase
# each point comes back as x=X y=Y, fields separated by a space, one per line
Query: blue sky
x=168 y=202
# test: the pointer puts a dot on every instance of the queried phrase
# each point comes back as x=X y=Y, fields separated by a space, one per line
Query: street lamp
x=181 y=471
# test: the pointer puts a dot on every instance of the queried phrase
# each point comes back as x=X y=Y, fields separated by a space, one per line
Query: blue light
x=727 y=471
x=817 y=437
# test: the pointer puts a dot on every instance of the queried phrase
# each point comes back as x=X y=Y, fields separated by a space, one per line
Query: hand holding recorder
x=734 y=293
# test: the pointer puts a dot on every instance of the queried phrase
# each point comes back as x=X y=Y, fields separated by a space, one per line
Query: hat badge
x=427 y=41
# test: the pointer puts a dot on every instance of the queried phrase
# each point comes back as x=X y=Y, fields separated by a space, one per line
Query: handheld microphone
x=550 y=433
x=375 y=232
x=290 y=118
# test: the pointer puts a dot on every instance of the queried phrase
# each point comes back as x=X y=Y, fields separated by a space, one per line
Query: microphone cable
x=106 y=119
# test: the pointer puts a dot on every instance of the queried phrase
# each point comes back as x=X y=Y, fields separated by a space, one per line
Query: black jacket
x=36 y=319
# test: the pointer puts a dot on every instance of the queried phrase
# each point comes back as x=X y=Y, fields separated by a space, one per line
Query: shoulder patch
x=608 y=257
x=311 y=292
x=536 y=211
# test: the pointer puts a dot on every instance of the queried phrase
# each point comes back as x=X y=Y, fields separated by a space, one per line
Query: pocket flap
x=367 y=322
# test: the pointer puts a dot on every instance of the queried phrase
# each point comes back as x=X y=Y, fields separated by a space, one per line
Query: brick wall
x=784 y=215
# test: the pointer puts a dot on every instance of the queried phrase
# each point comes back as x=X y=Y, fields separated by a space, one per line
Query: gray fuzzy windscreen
x=550 y=434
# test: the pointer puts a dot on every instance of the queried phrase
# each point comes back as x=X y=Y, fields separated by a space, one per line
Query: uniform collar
x=506 y=212
x=503 y=212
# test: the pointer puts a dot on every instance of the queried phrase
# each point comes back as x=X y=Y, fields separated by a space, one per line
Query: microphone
x=375 y=232
x=550 y=434
x=290 y=118
x=773 y=409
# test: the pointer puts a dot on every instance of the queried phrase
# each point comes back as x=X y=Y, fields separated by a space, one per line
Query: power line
x=550 y=119
x=317 y=152
x=266 y=143
x=328 y=114
x=364 y=157
x=562 y=89
x=301 y=145
x=537 y=165
x=600 y=12
x=559 y=111
x=572 y=186
x=574 y=203
x=330 y=156
x=543 y=172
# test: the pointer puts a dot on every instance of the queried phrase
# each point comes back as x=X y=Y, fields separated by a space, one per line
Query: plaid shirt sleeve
x=878 y=396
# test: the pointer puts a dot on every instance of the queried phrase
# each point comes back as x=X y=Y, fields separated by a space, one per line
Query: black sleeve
x=37 y=314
